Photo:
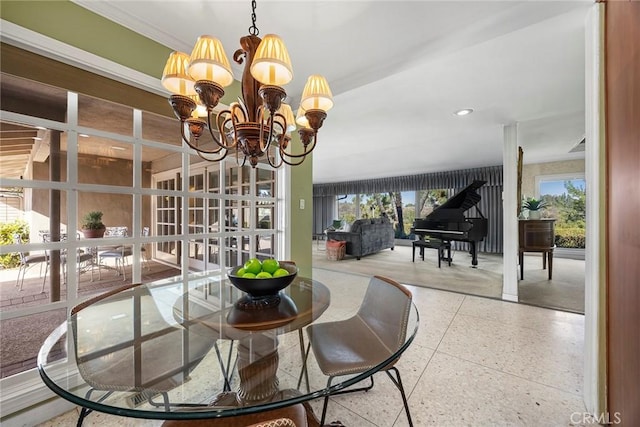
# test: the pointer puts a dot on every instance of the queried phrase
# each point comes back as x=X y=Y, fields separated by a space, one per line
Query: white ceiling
x=399 y=69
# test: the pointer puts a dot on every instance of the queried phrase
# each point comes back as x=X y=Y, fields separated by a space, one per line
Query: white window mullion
x=137 y=197
x=184 y=218
x=72 y=196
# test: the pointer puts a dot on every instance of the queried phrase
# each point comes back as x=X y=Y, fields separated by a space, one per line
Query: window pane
x=32 y=98
x=117 y=209
x=104 y=161
x=28 y=152
x=20 y=341
x=155 y=162
x=347 y=208
x=161 y=129
x=104 y=115
x=265 y=246
x=565 y=201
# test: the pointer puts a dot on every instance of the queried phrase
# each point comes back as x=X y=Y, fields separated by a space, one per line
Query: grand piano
x=448 y=222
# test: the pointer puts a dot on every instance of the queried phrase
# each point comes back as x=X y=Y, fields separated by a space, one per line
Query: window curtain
x=453 y=179
x=490 y=204
x=324 y=212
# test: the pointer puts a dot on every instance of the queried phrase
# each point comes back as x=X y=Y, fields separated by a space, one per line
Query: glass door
x=196 y=226
x=167 y=219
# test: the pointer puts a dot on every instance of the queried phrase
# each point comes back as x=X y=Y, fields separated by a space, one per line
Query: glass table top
x=181 y=348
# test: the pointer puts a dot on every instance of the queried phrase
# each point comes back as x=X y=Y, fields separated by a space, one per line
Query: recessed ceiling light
x=115 y=147
x=83 y=135
x=463 y=112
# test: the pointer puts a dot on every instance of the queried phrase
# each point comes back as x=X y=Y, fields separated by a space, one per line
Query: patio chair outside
x=117 y=253
x=84 y=259
x=29 y=260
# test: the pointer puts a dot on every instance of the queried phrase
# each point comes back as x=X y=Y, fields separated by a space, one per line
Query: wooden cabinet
x=536 y=235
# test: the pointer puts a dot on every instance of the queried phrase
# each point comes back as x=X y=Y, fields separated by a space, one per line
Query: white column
x=509 y=206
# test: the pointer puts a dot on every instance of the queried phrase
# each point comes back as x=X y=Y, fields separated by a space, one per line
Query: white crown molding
x=24 y=38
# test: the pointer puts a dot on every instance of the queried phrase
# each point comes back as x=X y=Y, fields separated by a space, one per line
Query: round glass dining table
x=183 y=349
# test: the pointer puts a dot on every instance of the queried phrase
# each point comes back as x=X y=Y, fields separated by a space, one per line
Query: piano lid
x=459 y=203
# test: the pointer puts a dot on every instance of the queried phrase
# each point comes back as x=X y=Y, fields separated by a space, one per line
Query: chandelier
x=259 y=124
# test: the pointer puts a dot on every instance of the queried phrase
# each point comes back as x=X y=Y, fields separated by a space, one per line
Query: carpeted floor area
x=565 y=292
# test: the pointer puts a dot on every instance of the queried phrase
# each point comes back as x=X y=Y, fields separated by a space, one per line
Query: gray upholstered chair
x=371 y=337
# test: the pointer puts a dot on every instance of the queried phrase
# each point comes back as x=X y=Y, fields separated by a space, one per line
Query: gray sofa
x=366 y=236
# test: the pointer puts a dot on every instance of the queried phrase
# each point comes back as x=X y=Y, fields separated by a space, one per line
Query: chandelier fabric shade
x=208 y=61
x=271 y=64
x=259 y=124
x=175 y=77
x=316 y=94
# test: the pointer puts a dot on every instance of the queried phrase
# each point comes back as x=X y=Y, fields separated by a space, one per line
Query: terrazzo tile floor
x=474 y=362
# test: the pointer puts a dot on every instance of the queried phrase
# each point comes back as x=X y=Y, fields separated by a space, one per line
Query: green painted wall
x=302 y=219
x=72 y=24
x=69 y=23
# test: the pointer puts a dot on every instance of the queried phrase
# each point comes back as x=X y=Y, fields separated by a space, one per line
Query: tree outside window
x=566 y=202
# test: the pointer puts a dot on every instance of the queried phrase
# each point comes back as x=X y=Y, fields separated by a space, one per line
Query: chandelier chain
x=253 y=30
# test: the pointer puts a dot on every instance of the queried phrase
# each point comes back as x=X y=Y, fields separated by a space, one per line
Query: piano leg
x=474 y=254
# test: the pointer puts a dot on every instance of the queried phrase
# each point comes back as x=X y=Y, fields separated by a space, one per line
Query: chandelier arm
x=234 y=123
x=222 y=122
x=306 y=151
x=203 y=157
x=184 y=136
x=264 y=147
x=272 y=164
x=283 y=128
x=195 y=147
x=215 y=139
x=284 y=160
x=244 y=160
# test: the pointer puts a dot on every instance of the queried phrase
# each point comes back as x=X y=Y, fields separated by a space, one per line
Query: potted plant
x=533 y=206
x=92 y=225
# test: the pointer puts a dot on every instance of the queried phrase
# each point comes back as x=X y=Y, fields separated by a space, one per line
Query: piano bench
x=440 y=245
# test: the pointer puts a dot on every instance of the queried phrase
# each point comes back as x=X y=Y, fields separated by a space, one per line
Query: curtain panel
x=452 y=179
x=324 y=212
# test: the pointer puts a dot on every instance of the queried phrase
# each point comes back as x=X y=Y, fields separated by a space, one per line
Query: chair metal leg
x=398 y=384
x=44 y=280
x=325 y=404
x=18 y=284
x=227 y=384
x=303 y=372
x=326 y=398
x=303 y=355
x=86 y=411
